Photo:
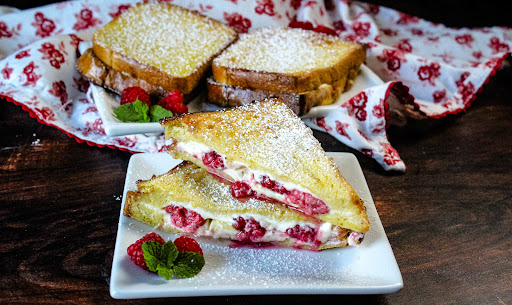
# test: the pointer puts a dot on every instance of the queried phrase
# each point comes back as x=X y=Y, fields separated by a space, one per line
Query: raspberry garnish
x=173 y=102
x=135 y=250
x=213 y=159
x=304 y=234
x=186 y=220
x=308 y=203
x=250 y=230
x=131 y=94
x=241 y=189
x=187 y=244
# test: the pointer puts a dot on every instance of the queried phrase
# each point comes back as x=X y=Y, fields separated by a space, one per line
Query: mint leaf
x=166 y=260
x=133 y=112
x=152 y=255
x=165 y=272
x=157 y=112
x=188 y=264
x=169 y=253
x=160 y=258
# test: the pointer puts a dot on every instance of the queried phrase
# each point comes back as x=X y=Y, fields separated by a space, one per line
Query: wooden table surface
x=448 y=218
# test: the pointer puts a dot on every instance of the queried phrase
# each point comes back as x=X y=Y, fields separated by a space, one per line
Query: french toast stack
x=302 y=68
x=156 y=46
x=254 y=173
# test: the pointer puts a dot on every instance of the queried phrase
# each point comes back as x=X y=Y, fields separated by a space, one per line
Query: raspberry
x=306 y=234
x=173 y=102
x=213 y=159
x=239 y=223
x=131 y=94
x=250 y=230
x=187 y=244
x=135 y=250
x=308 y=203
x=273 y=185
x=241 y=189
x=267 y=182
x=186 y=220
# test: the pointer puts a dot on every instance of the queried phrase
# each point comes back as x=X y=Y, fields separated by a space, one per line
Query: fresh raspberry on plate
x=131 y=94
x=135 y=250
x=187 y=244
x=173 y=102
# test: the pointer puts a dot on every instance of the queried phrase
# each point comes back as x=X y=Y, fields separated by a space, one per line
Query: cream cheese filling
x=222 y=227
x=237 y=171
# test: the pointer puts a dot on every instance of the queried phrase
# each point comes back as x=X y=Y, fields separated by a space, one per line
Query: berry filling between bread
x=186 y=220
x=248 y=183
x=256 y=229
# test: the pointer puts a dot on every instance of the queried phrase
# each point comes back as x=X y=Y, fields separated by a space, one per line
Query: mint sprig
x=188 y=264
x=139 y=112
x=166 y=260
x=157 y=112
x=133 y=112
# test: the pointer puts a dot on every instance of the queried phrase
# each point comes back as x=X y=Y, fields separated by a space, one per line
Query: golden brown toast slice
x=300 y=103
x=188 y=199
x=266 y=148
x=96 y=71
x=288 y=60
x=162 y=44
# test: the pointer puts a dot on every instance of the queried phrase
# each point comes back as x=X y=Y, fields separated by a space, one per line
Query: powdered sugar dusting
x=268 y=267
x=280 y=142
x=170 y=38
x=284 y=51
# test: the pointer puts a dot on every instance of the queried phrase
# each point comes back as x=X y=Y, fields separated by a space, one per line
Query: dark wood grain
x=448 y=218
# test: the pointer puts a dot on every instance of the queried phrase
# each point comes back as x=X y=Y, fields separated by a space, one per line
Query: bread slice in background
x=268 y=137
x=288 y=60
x=97 y=72
x=165 y=45
x=300 y=103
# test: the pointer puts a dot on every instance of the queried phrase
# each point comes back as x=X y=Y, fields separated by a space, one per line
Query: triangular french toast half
x=189 y=200
x=266 y=151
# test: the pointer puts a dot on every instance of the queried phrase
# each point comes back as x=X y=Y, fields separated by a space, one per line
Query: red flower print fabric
x=429 y=68
x=44 y=26
x=238 y=22
x=85 y=20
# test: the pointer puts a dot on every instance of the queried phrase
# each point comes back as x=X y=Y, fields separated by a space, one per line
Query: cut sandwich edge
x=139 y=207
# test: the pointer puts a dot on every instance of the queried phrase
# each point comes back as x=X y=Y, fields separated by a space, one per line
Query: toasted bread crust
x=153 y=75
x=96 y=71
x=296 y=82
x=150 y=74
x=300 y=103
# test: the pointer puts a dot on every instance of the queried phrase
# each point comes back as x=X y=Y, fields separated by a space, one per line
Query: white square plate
x=107 y=102
x=370 y=268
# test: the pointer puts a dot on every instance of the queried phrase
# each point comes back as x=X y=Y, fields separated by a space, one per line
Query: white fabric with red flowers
x=443 y=68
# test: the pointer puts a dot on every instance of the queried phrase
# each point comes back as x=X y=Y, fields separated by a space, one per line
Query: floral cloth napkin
x=429 y=70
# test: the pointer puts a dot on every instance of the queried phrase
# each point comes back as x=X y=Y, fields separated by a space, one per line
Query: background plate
x=370 y=268
x=107 y=101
